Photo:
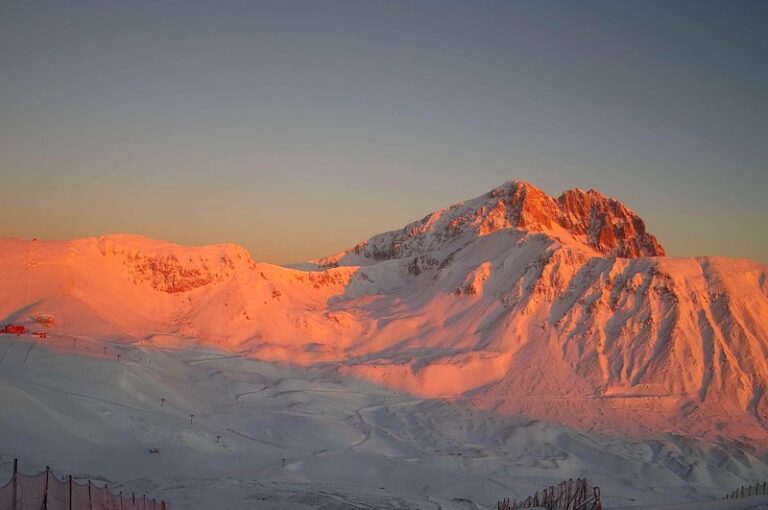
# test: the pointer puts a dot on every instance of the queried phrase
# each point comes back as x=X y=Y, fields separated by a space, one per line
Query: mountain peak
x=608 y=225
x=588 y=218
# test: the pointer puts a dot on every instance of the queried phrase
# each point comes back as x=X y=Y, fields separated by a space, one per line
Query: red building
x=14 y=329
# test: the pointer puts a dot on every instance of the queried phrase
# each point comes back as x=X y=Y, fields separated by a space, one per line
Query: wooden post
x=45 y=490
x=90 y=498
x=15 y=485
x=70 y=492
x=121 y=500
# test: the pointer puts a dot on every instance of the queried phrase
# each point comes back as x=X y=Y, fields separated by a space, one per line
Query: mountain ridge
x=507 y=317
x=602 y=224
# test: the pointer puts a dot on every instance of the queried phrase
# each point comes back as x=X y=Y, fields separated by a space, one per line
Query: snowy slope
x=515 y=304
x=347 y=444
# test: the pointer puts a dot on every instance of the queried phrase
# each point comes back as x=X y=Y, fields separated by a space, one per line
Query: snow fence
x=44 y=491
x=760 y=489
x=571 y=494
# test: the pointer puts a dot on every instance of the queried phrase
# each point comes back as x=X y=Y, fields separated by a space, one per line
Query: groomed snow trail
x=227 y=423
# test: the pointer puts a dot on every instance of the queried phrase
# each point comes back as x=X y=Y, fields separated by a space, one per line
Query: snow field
x=346 y=443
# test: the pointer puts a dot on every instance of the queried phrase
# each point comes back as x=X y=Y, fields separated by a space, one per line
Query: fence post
x=45 y=490
x=15 y=484
x=70 y=493
x=90 y=499
x=121 y=500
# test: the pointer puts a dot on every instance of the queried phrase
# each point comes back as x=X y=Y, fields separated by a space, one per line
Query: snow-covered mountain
x=516 y=302
x=577 y=217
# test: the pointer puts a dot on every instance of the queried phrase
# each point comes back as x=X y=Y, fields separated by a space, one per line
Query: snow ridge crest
x=587 y=218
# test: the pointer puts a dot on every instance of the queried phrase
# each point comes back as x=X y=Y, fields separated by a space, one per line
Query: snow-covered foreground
x=754 y=503
x=346 y=443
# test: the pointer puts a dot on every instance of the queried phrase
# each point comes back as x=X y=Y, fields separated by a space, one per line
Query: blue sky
x=299 y=128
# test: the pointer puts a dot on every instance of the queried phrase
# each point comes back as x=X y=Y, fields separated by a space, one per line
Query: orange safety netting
x=30 y=491
x=44 y=490
x=6 y=495
x=58 y=494
x=80 y=496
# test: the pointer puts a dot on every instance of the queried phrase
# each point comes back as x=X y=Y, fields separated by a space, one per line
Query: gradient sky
x=299 y=128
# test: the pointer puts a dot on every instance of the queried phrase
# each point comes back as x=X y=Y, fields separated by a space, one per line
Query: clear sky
x=299 y=128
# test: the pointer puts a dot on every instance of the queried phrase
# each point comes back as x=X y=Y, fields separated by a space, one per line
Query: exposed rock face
x=599 y=223
x=609 y=226
x=605 y=224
